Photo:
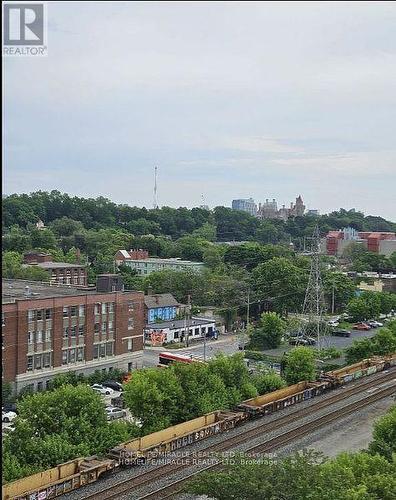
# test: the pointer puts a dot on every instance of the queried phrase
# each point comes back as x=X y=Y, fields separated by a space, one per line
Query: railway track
x=170 y=490
x=168 y=469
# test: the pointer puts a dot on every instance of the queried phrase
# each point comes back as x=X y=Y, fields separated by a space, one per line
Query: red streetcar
x=167 y=358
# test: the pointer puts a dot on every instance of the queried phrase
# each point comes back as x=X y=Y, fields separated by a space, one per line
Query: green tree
x=268 y=381
x=268 y=334
x=16 y=240
x=212 y=257
x=282 y=282
x=300 y=365
x=207 y=232
x=66 y=226
x=55 y=426
x=43 y=238
x=367 y=306
x=384 y=435
x=338 y=289
x=383 y=342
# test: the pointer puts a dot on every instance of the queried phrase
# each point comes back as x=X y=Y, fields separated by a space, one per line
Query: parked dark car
x=9 y=407
x=341 y=333
x=296 y=334
x=116 y=386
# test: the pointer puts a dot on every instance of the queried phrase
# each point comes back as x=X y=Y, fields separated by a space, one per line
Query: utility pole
x=332 y=297
x=186 y=322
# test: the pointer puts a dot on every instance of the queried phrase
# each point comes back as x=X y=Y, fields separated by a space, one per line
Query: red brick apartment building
x=49 y=329
x=59 y=272
x=383 y=243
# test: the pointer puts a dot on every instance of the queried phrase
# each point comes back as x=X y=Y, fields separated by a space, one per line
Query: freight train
x=81 y=471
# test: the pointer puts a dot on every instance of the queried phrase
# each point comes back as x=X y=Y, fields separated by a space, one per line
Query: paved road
x=228 y=344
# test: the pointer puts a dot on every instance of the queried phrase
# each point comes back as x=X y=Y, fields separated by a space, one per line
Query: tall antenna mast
x=314 y=303
x=155 y=204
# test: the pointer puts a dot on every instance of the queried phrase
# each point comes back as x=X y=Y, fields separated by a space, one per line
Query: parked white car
x=374 y=324
x=333 y=322
x=105 y=391
x=8 y=416
x=112 y=412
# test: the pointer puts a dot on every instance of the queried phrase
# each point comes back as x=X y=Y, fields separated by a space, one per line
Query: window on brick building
x=104 y=308
x=130 y=306
x=102 y=350
x=46 y=359
x=96 y=327
x=48 y=335
x=29 y=366
x=104 y=327
x=111 y=327
x=65 y=312
x=30 y=315
x=109 y=349
x=97 y=308
x=81 y=310
x=111 y=307
x=73 y=330
x=39 y=336
x=72 y=355
x=48 y=314
x=81 y=330
x=37 y=362
x=130 y=345
x=65 y=332
x=130 y=323
x=64 y=357
x=80 y=354
x=95 y=351
x=73 y=311
x=39 y=314
x=30 y=337
x=40 y=386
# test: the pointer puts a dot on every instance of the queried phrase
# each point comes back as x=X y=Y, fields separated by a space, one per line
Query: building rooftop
x=13 y=289
x=176 y=260
x=180 y=323
x=160 y=300
x=56 y=265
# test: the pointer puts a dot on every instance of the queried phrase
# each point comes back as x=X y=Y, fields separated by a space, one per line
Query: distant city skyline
x=229 y=99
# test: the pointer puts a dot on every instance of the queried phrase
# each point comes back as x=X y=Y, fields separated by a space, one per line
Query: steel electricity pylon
x=314 y=302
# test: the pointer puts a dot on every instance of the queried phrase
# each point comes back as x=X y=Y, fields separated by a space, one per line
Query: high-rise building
x=245 y=205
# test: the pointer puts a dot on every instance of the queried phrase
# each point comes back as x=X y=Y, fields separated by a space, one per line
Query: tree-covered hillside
x=100 y=213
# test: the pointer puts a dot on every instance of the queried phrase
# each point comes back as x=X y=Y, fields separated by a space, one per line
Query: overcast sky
x=230 y=100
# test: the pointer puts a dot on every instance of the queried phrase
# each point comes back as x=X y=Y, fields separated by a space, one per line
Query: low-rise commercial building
x=144 y=265
x=176 y=331
x=51 y=329
x=161 y=306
